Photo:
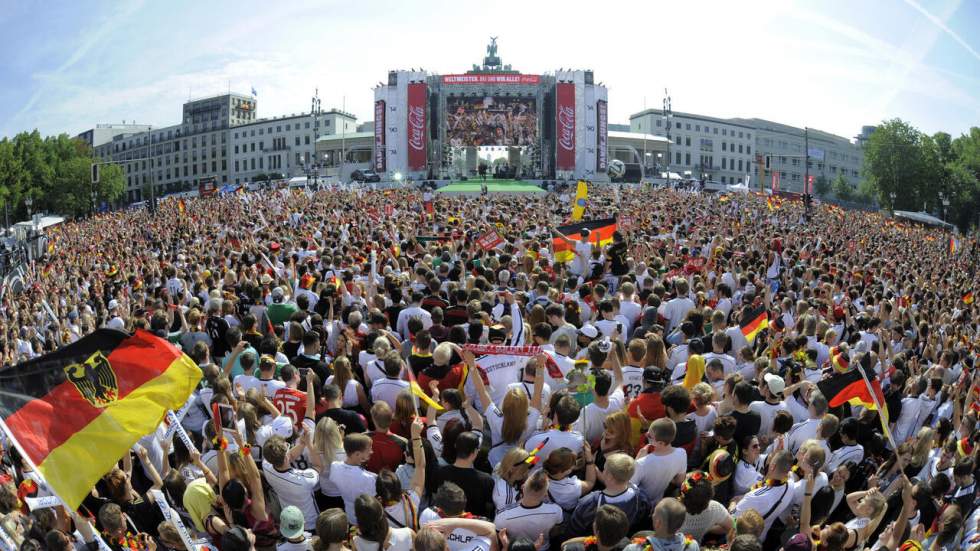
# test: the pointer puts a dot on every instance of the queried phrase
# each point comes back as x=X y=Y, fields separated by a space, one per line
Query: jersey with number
x=291 y=403
x=632 y=382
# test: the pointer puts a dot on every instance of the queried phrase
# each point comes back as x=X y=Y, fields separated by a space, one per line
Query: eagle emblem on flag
x=95 y=380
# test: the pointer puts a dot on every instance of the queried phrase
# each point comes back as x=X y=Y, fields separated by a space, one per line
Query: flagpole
x=878 y=406
x=30 y=463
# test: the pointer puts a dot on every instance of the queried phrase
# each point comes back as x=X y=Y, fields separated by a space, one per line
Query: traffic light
x=95 y=173
x=768 y=162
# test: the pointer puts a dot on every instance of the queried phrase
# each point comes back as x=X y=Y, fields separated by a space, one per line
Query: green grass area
x=493 y=186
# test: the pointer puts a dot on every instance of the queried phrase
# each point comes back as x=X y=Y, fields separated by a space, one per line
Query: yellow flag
x=578 y=207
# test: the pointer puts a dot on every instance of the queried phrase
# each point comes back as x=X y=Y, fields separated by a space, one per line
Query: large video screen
x=480 y=121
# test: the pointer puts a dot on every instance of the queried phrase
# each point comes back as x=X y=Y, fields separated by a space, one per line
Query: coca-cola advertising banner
x=379 y=136
x=565 y=125
x=602 y=127
x=417 y=96
x=491 y=79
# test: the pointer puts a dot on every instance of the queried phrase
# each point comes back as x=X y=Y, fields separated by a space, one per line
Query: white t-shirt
x=304 y=545
x=556 y=439
x=767 y=412
x=770 y=502
x=399 y=540
x=565 y=365
x=396 y=512
x=674 y=311
x=565 y=492
x=387 y=390
x=501 y=370
x=504 y=494
x=580 y=264
x=529 y=522
x=327 y=487
x=655 y=472
x=590 y=419
x=458 y=539
x=350 y=398
x=295 y=487
x=352 y=481
x=632 y=382
x=801 y=432
x=499 y=448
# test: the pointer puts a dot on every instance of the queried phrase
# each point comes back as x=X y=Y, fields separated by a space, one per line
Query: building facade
x=104 y=133
x=179 y=157
x=829 y=156
x=283 y=145
x=701 y=146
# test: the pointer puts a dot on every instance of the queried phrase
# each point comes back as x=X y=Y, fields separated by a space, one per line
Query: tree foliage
x=924 y=171
x=55 y=172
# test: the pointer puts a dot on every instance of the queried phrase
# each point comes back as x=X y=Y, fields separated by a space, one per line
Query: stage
x=493 y=186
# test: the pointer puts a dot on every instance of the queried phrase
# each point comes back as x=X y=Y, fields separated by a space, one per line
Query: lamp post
x=891 y=197
x=315 y=113
x=945 y=200
x=668 y=113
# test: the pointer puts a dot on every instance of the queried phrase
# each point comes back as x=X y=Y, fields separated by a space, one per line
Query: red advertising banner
x=380 y=155
x=602 y=128
x=565 y=125
x=489 y=240
x=491 y=79
x=417 y=97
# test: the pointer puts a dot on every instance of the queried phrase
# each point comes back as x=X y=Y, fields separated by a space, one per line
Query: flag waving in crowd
x=601 y=233
x=580 y=201
x=76 y=411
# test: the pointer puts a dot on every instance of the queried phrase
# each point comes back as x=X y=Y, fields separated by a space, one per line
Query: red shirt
x=452 y=379
x=387 y=452
x=292 y=403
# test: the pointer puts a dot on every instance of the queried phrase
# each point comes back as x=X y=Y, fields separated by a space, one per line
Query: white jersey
x=499 y=448
x=529 y=522
x=768 y=501
x=590 y=420
x=655 y=472
x=352 y=481
x=632 y=382
x=501 y=370
x=458 y=539
x=565 y=492
x=555 y=439
x=387 y=390
x=295 y=487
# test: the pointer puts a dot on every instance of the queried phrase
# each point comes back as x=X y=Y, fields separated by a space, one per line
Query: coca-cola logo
x=566 y=128
x=416 y=127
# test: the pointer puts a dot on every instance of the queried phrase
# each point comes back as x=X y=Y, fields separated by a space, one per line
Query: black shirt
x=478 y=486
x=351 y=421
x=617 y=258
x=318 y=366
x=217 y=328
x=746 y=424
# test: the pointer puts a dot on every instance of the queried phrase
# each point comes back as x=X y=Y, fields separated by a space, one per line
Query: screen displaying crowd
x=631 y=398
x=475 y=122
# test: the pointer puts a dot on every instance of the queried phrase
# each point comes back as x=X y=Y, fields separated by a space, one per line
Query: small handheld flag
x=968 y=298
x=753 y=321
x=417 y=390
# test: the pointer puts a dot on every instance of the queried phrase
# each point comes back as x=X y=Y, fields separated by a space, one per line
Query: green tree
x=842 y=189
x=896 y=161
x=822 y=187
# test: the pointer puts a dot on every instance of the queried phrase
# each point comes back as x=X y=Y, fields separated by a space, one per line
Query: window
x=261 y=131
x=749 y=136
x=678 y=161
x=287 y=128
x=748 y=149
x=236 y=150
x=687 y=141
x=739 y=133
x=307 y=125
x=739 y=148
x=677 y=125
x=697 y=127
x=253 y=146
x=236 y=166
x=185 y=171
x=262 y=146
x=740 y=164
x=658 y=123
x=260 y=162
x=278 y=128
x=236 y=135
x=687 y=159
x=297 y=141
x=677 y=140
x=195 y=169
x=715 y=129
x=307 y=141
x=724 y=146
x=327 y=123
x=724 y=164
x=253 y=163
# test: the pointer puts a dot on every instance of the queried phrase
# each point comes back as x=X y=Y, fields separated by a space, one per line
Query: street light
x=945 y=200
x=892 y=196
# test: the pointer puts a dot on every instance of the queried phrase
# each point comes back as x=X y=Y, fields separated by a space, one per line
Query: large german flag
x=754 y=320
x=601 y=230
x=850 y=387
x=76 y=411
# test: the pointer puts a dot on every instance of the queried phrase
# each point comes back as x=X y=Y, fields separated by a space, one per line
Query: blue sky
x=831 y=64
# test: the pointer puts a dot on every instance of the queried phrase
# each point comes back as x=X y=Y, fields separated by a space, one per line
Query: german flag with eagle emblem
x=76 y=411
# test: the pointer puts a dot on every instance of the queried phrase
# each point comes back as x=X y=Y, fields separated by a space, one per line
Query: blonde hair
x=512 y=467
x=656 y=353
x=620 y=467
x=515 y=409
x=342 y=373
x=619 y=423
x=327 y=439
x=702 y=394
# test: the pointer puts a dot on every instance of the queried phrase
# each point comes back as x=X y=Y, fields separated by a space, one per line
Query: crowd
x=612 y=402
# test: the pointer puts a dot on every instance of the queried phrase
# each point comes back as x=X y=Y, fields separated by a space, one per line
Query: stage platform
x=493 y=186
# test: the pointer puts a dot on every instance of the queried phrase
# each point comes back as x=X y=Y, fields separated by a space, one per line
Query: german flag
x=968 y=297
x=601 y=231
x=850 y=387
x=76 y=411
x=754 y=320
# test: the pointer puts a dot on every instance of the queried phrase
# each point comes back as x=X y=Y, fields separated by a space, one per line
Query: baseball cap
x=588 y=330
x=775 y=383
x=291 y=522
x=236 y=539
x=113 y=304
x=282 y=426
x=653 y=375
x=278 y=293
